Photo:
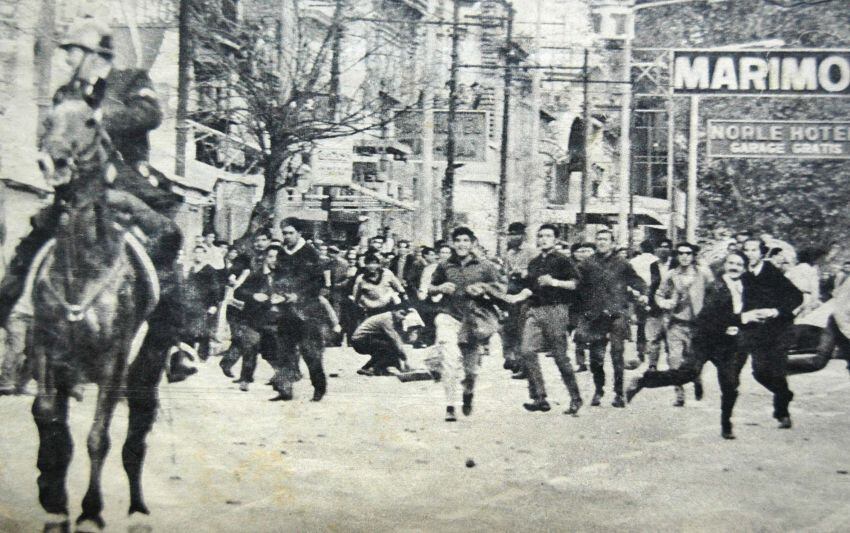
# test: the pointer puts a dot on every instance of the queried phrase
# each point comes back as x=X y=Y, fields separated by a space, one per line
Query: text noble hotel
x=789 y=139
x=791 y=72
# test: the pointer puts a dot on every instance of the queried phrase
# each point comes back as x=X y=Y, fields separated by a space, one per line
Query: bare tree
x=279 y=80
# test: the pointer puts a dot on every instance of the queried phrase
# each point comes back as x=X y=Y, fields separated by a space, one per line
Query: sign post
x=805 y=72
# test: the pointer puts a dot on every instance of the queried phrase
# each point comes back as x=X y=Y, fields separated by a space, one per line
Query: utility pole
x=531 y=187
x=585 y=171
x=45 y=44
x=693 y=146
x=502 y=220
x=672 y=232
x=449 y=177
x=427 y=222
x=624 y=229
x=335 y=53
x=183 y=57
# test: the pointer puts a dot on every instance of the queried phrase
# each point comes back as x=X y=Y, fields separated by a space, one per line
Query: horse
x=93 y=286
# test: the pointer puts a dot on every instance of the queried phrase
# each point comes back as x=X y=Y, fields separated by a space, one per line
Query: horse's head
x=74 y=140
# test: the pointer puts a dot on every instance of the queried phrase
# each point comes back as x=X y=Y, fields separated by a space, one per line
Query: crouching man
x=380 y=337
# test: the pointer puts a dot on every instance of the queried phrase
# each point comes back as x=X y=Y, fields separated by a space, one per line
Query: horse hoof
x=56 y=523
x=88 y=524
x=137 y=522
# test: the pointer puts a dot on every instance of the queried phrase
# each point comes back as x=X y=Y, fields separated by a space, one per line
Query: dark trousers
x=830 y=339
x=384 y=353
x=296 y=340
x=640 y=341
x=725 y=356
x=545 y=329
x=246 y=343
x=512 y=333
x=617 y=330
x=769 y=349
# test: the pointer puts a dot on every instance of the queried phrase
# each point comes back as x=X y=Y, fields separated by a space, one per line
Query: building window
x=620 y=21
x=596 y=22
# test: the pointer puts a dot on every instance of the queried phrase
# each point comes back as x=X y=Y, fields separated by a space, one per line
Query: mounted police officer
x=130 y=110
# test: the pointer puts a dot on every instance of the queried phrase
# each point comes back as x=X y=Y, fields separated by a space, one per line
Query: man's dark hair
x=296 y=224
x=744 y=233
x=668 y=242
x=463 y=230
x=605 y=230
x=516 y=228
x=199 y=247
x=219 y=242
x=274 y=246
x=647 y=247
x=590 y=245
x=811 y=255
x=552 y=227
x=428 y=250
x=574 y=248
x=403 y=241
x=762 y=246
x=263 y=232
x=685 y=244
x=372 y=257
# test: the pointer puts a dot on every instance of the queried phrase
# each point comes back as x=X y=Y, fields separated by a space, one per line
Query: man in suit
x=715 y=338
x=768 y=314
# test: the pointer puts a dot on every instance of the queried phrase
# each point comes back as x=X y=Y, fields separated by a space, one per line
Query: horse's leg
x=50 y=412
x=142 y=401
x=98 y=447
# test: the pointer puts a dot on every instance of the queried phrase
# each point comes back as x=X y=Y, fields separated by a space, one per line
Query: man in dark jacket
x=768 y=315
x=303 y=319
x=607 y=283
x=549 y=289
x=716 y=333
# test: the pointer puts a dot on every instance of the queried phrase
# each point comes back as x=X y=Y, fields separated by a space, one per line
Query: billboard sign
x=802 y=72
x=470 y=134
x=778 y=139
x=332 y=162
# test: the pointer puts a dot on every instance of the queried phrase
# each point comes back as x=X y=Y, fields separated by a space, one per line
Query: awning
x=380 y=146
x=383 y=198
x=602 y=213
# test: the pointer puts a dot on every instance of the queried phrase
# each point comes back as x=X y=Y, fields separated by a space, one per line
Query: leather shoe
x=243 y=386
x=537 y=405
x=618 y=401
x=226 y=370
x=520 y=374
x=450 y=414
x=281 y=397
x=698 y=391
x=727 y=434
x=581 y=368
x=680 y=402
x=785 y=422
x=597 y=398
x=575 y=405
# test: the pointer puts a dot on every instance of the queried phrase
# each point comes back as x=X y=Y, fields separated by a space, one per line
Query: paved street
x=375 y=455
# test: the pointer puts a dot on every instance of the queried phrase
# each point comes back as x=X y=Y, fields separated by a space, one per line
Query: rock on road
x=375 y=455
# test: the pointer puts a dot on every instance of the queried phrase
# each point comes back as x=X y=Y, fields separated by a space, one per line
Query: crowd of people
x=290 y=299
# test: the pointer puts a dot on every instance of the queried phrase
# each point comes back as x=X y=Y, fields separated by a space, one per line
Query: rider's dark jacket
x=130 y=110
